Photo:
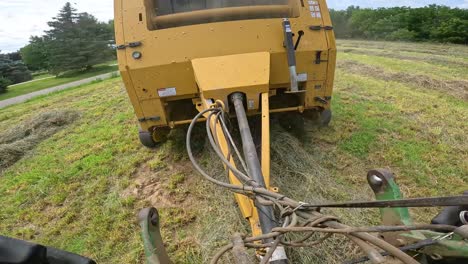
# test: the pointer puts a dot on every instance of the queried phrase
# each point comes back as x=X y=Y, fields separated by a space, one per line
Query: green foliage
x=401 y=34
x=430 y=23
x=35 y=54
x=4 y=82
x=12 y=72
x=76 y=41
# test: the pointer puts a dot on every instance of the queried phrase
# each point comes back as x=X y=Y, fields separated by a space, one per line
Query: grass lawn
x=42 y=76
x=30 y=87
x=80 y=188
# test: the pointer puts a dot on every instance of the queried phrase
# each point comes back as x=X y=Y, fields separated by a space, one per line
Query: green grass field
x=68 y=77
x=80 y=188
x=42 y=76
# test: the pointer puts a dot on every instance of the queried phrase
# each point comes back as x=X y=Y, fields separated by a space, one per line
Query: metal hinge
x=318 y=57
x=153 y=118
x=322 y=100
x=130 y=45
x=321 y=27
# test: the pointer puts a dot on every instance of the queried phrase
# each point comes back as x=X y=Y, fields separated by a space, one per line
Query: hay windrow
x=297 y=170
x=19 y=140
x=455 y=88
x=398 y=55
x=423 y=48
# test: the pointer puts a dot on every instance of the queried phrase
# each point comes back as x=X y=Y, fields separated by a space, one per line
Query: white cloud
x=464 y=4
x=22 y=18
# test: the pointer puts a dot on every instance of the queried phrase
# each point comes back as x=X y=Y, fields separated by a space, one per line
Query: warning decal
x=314 y=8
x=165 y=92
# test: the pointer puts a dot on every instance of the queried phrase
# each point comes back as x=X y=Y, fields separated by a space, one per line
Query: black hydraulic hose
x=241 y=176
x=228 y=136
x=194 y=161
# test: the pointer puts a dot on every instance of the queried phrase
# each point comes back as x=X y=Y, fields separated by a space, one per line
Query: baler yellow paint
x=186 y=60
x=167 y=54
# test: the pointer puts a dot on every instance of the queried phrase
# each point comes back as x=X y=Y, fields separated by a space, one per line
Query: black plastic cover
x=14 y=251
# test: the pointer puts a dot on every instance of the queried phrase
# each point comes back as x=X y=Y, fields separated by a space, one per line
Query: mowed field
x=73 y=174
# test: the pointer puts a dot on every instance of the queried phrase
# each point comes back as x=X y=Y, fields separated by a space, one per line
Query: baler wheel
x=146 y=138
x=325 y=117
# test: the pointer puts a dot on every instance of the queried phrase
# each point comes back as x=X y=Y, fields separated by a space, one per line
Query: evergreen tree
x=76 y=41
x=94 y=41
x=12 y=72
x=63 y=40
x=4 y=82
x=14 y=56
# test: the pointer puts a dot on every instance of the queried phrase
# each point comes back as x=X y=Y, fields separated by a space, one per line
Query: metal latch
x=152 y=118
x=130 y=45
x=321 y=27
x=321 y=100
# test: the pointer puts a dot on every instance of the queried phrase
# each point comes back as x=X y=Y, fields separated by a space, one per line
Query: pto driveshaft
x=266 y=215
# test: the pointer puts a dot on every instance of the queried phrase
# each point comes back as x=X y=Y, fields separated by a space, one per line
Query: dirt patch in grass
x=397 y=55
x=166 y=182
x=19 y=140
x=456 y=88
x=162 y=187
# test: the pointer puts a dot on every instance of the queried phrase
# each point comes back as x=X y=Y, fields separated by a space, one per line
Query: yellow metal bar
x=288 y=109
x=173 y=124
x=246 y=205
x=265 y=159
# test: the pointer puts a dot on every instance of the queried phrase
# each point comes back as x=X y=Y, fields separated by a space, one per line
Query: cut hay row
x=456 y=88
x=19 y=140
x=436 y=71
x=300 y=174
x=426 y=48
x=443 y=60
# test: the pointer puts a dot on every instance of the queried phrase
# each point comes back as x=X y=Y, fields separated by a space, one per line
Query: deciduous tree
x=35 y=54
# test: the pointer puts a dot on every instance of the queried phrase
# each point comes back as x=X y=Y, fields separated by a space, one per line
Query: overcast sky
x=19 y=19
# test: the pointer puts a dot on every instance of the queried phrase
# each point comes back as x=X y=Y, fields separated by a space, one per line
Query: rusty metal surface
x=239 y=251
x=412 y=202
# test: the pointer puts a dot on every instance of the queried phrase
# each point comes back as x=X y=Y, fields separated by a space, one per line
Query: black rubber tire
x=146 y=139
x=325 y=117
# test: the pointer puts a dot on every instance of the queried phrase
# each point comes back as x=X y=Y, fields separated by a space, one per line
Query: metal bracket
x=152 y=118
x=155 y=251
x=291 y=54
x=384 y=186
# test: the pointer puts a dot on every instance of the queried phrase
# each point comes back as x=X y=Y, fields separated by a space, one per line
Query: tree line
x=431 y=23
x=75 y=41
x=12 y=70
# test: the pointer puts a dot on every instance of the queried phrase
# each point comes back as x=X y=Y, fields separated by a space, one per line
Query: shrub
x=4 y=84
